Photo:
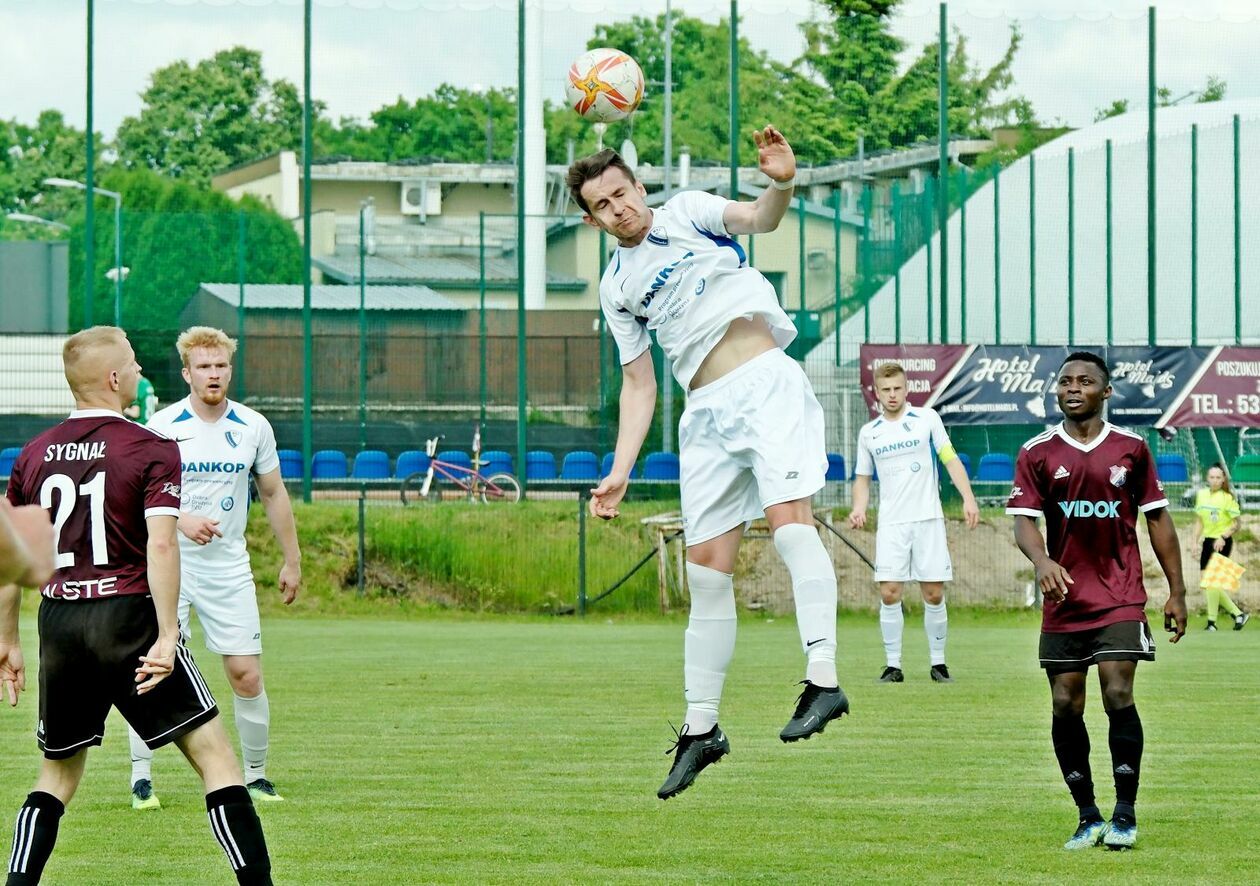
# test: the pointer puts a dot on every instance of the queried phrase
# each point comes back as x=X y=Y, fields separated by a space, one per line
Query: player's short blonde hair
x=203 y=337
x=888 y=370
x=91 y=353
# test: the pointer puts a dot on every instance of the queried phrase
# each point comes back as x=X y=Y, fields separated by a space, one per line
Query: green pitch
x=511 y=751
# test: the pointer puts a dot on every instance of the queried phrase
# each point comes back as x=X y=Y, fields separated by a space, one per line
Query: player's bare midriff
x=744 y=340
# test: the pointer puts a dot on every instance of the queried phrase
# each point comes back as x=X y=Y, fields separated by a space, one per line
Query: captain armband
x=947 y=454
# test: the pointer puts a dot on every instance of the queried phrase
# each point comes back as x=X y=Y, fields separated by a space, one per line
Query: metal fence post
x=308 y=355
x=942 y=137
x=1194 y=234
x=800 y=244
x=582 y=498
x=362 y=577
x=997 y=255
x=962 y=254
x=89 y=229
x=1032 y=249
x=838 y=284
x=481 y=316
x=241 y=385
x=1237 y=231
x=1071 y=247
x=1151 y=296
x=362 y=326
x=929 y=200
x=897 y=209
x=1110 y=268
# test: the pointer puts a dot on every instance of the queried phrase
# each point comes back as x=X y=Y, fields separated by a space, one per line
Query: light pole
x=120 y=273
x=36 y=220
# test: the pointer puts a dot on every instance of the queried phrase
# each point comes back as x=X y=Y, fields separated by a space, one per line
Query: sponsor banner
x=1225 y=393
x=1166 y=386
x=927 y=368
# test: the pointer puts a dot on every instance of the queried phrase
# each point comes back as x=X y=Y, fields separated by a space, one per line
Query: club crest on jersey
x=1118 y=475
x=658 y=236
x=233 y=438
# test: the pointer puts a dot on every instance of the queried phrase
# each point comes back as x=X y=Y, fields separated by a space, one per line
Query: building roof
x=287 y=297
x=445 y=271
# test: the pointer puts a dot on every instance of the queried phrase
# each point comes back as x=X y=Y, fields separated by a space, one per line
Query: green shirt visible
x=1217 y=511
x=147 y=400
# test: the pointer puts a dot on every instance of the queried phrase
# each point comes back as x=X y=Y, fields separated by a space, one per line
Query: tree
x=28 y=155
x=1213 y=91
x=198 y=120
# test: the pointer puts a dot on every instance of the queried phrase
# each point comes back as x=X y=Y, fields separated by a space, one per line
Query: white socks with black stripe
x=814 y=589
x=708 y=646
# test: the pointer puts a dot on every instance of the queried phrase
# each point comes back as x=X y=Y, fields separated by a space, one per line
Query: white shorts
x=751 y=439
x=227 y=607
x=913 y=552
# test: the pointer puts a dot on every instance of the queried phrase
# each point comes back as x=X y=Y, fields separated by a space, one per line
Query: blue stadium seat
x=290 y=464
x=995 y=467
x=605 y=466
x=1172 y=468
x=411 y=461
x=329 y=464
x=835 y=466
x=371 y=464
x=9 y=455
x=660 y=466
x=540 y=465
x=456 y=457
x=496 y=461
x=580 y=465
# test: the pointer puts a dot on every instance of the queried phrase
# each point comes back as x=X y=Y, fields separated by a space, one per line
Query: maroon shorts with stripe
x=88 y=655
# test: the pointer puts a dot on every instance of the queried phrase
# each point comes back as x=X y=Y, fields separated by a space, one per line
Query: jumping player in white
x=902 y=447
x=751 y=437
x=221 y=442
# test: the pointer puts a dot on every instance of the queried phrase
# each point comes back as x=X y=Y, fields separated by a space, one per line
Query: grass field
x=501 y=750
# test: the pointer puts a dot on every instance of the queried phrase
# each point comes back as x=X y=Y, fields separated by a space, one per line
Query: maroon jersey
x=100 y=476
x=1090 y=496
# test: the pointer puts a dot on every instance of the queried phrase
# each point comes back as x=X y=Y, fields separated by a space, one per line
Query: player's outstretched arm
x=275 y=499
x=635 y=409
x=1051 y=577
x=778 y=162
x=1168 y=552
x=162 y=556
x=12 y=667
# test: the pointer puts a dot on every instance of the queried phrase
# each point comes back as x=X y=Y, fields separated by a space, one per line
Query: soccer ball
x=604 y=85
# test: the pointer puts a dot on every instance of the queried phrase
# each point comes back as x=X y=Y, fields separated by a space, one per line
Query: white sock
x=253 y=722
x=936 y=626
x=814 y=589
x=141 y=758
x=891 y=624
x=708 y=646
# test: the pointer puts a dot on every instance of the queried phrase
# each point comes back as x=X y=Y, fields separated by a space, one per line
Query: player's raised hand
x=12 y=672
x=1053 y=580
x=157 y=665
x=774 y=154
x=201 y=530
x=1175 y=617
x=857 y=519
x=289 y=581
x=607 y=495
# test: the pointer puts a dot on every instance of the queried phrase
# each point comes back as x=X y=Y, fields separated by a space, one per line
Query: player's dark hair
x=592 y=167
x=1089 y=357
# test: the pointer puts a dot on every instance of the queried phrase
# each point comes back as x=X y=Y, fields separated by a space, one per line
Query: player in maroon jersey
x=1090 y=479
x=108 y=628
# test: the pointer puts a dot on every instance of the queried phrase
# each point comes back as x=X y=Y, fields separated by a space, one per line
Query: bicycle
x=496 y=488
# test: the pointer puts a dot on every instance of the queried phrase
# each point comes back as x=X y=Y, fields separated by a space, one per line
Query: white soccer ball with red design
x=604 y=85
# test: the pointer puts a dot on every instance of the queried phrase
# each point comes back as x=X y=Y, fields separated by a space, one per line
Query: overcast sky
x=1074 y=60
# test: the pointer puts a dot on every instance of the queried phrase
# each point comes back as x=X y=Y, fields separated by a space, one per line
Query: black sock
x=1071 y=747
x=236 y=826
x=1126 y=756
x=34 y=836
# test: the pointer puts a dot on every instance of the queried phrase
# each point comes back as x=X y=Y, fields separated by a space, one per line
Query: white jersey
x=217 y=461
x=903 y=455
x=687 y=281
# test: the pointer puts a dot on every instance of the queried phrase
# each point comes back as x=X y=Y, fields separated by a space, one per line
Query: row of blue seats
x=374 y=464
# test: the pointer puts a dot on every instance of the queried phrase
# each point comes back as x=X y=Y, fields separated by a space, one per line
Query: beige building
x=428 y=220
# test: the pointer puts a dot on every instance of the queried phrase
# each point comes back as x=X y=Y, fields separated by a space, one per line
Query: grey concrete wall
x=34 y=286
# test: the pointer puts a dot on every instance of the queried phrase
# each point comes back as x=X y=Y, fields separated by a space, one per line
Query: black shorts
x=88 y=655
x=1208 y=550
x=1077 y=650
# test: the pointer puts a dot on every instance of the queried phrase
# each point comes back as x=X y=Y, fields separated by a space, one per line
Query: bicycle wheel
x=409 y=489
x=501 y=488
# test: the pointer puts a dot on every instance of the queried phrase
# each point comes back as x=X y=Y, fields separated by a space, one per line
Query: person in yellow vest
x=1217 y=511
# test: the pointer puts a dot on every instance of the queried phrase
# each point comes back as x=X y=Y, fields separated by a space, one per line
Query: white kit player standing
x=751 y=437
x=902 y=448
x=221 y=443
